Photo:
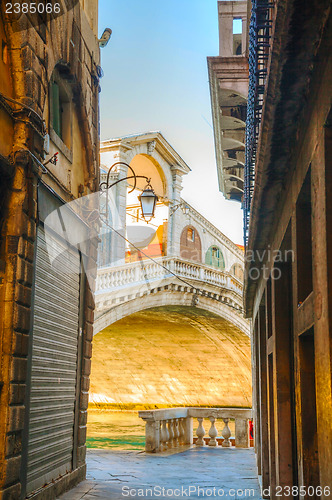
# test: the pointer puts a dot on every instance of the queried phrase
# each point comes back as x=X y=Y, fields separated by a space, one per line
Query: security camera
x=105 y=37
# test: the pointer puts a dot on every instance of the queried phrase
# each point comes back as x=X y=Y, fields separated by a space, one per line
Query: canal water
x=117 y=429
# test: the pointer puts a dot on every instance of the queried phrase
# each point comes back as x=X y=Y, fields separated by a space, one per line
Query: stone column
x=241 y=433
x=175 y=226
x=152 y=435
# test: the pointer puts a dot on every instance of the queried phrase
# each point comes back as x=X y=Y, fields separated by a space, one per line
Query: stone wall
x=33 y=51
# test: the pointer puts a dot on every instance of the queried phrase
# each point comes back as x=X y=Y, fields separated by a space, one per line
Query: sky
x=156 y=79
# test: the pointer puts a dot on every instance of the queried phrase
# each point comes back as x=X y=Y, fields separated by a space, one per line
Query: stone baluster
x=176 y=432
x=167 y=434
x=137 y=273
x=200 y=432
x=213 y=433
x=164 y=436
x=181 y=431
x=226 y=434
x=171 y=433
x=119 y=277
x=116 y=279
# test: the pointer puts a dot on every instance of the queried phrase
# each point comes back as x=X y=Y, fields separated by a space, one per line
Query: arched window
x=61 y=113
x=190 y=244
x=237 y=271
x=214 y=257
x=190 y=234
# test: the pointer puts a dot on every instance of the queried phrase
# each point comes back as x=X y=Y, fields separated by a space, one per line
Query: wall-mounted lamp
x=148 y=199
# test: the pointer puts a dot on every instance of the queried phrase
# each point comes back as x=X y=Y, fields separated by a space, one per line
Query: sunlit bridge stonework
x=178 y=259
x=163 y=289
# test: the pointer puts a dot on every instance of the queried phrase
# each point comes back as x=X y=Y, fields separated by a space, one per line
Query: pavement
x=194 y=473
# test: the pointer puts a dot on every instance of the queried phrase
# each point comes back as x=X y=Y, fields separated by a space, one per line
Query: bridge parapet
x=132 y=287
x=172 y=428
x=111 y=279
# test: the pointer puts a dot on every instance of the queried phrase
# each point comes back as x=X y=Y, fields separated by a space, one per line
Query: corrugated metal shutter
x=54 y=363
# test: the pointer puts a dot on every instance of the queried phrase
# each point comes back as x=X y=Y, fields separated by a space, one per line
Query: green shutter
x=217 y=260
x=56 y=122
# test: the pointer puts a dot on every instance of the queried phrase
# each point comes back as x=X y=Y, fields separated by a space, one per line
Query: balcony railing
x=172 y=428
x=136 y=273
x=260 y=33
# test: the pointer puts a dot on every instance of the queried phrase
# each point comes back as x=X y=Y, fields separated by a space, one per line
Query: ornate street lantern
x=148 y=200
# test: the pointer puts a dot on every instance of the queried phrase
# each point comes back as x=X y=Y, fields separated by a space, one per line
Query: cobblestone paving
x=118 y=475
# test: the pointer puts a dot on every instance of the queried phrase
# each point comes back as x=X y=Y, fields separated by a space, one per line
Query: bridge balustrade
x=172 y=428
x=112 y=278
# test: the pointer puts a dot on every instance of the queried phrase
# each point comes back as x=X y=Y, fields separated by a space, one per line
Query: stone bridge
x=126 y=289
x=178 y=259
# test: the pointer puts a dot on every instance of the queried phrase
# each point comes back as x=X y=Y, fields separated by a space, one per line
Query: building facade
x=228 y=77
x=288 y=244
x=49 y=145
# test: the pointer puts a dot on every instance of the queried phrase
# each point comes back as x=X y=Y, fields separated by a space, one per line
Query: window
x=215 y=252
x=237 y=271
x=237 y=36
x=60 y=113
x=191 y=234
x=215 y=258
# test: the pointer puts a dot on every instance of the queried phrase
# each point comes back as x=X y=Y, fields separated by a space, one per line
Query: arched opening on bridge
x=149 y=237
x=190 y=244
x=237 y=271
x=162 y=357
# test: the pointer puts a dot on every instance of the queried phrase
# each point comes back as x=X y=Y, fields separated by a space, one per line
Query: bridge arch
x=227 y=307
x=173 y=354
